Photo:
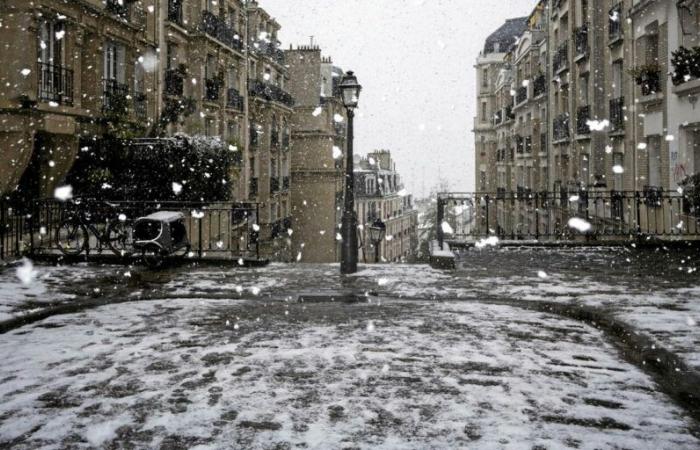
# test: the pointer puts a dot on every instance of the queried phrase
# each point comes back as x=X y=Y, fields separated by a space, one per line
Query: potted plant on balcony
x=648 y=77
x=686 y=65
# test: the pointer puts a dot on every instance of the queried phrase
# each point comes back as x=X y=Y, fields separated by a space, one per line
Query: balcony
x=114 y=97
x=561 y=127
x=285 y=183
x=174 y=83
x=617 y=114
x=175 y=12
x=274 y=184
x=615 y=23
x=521 y=95
x=271 y=50
x=55 y=84
x=218 y=29
x=211 y=89
x=270 y=92
x=583 y=116
x=581 y=40
x=234 y=99
x=652 y=195
x=140 y=105
x=561 y=58
x=540 y=86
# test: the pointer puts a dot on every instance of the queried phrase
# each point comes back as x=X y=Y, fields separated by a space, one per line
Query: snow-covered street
x=211 y=357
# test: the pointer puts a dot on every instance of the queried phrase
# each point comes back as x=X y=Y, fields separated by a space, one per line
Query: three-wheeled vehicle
x=160 y=235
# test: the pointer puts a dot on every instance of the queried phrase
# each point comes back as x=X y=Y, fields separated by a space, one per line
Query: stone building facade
x=65 y=65
x=380 y=194
x=596 y=86
x=318 y=166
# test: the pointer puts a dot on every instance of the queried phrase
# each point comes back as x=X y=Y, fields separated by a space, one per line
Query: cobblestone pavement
x=202 y=373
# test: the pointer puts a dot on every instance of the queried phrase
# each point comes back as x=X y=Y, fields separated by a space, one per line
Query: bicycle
x=73 y=233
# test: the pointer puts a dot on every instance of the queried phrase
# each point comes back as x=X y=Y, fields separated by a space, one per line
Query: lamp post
x=377 y=231
x=350 y=91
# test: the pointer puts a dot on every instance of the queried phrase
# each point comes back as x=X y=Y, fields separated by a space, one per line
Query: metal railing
x=540 y=85
x=220 y=229
x=114 y=96
x=55 y=83
x=521 y=95
x=649 y=215
x=217 y=28
x=270 y=92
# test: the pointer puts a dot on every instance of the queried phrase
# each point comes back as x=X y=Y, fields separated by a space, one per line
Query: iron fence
x=226 y=230
x=524 y=214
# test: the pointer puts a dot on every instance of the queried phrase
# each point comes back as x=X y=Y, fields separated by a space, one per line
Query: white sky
x=415 y=61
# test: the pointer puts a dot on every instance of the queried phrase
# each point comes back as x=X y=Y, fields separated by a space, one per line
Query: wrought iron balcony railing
x=114 y=96
x=583 y=116
x=55 y=83
x=521 y=95
x=217 y=28
x=270 y=92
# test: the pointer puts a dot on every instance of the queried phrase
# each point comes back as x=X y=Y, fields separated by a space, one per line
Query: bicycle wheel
x=71 y=237
x=152 y=256
x=120 y=238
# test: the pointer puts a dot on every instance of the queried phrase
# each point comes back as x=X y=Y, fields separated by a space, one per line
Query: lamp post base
x=348 y=259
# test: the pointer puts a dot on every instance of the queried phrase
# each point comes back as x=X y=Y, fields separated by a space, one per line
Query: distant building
x=380 y=194
x=318 y=165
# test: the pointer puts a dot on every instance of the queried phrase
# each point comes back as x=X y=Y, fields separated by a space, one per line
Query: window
x=617 y=79
x=171 y=58
x=210 y=127
x=585 y=169
x=213 y=6
x=51 y=38
x=483 y=111
x=485 y=78
x=654 y=161
x=210 y=67
x=114 y=68
x=583 y=90
x=618 y=180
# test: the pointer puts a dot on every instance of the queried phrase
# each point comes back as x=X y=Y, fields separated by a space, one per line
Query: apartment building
x=318 y=167
x=270 y=109
x=616 y=87
x=380 y=194
x=198 y=67
x=67 y=66
x=488 y=66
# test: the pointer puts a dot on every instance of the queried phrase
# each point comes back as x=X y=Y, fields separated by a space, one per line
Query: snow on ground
x=49 y=285
x=205 y=373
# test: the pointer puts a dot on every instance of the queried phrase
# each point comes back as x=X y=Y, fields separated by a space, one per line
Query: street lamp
x=377 y=231
x=350 y=91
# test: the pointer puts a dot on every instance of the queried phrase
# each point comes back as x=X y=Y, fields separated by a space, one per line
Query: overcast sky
x=415 y=61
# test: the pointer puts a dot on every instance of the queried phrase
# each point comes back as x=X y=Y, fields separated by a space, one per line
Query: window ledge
x=687 y=88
